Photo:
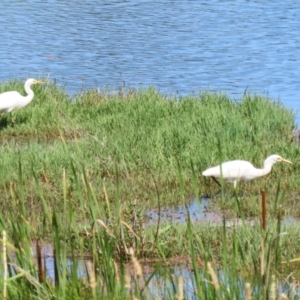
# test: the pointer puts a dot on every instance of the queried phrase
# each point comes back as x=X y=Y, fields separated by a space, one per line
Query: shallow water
x=198 y=212
x=165 y=280
x=180 y=47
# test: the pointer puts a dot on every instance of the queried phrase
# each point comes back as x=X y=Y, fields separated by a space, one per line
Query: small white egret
x=237 y=170
x=14 y=100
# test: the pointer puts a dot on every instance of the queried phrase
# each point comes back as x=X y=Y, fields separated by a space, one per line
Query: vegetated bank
x=81 y=171
x=140 y=140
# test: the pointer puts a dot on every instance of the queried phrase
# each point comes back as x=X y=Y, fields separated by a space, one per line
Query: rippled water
x=177 y=46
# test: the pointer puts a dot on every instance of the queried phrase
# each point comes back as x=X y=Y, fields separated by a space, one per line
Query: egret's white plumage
x=237 y=170
x=14 y=100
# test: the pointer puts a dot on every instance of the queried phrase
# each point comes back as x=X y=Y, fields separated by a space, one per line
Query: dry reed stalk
x=283 y=297
x=101 y=223
x=32 y=280
x=213 y=276
x=137 y=267
x=11 y=190
x=130 y=229
x=248 y=291
x=138 y=271
x=180 y=295
x=64 y=176
x=84 y=184
x=5 y=273
x=92 y=277
x=107 y=202
x=116 y=272
x=294 y=286
x=105 y=193
x=273 y=289
x=127 y=281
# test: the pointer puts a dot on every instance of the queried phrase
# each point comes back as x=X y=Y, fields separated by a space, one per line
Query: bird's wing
x=236 y=169
x=8 y=101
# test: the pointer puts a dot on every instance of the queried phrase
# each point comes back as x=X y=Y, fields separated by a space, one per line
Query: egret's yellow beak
x=39 y=82
x=285 y=160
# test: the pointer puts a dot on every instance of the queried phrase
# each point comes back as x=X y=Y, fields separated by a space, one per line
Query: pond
x=180 y=47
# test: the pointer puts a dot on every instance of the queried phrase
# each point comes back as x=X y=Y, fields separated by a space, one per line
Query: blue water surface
x=180 y=47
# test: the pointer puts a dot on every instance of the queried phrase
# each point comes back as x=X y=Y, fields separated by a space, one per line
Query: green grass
x=145 y=136
x=107 y=234
x=79 y=173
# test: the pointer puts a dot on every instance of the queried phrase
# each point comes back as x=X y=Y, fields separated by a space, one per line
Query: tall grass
x=145 y=135
x=223 y=259
x=79 y=174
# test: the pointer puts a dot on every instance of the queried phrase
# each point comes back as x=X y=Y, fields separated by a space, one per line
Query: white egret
x=236 y=170
x=14 y=100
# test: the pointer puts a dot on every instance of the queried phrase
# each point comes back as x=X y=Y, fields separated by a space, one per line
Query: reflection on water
x=177 y=46
x=198 y=212
x=165 y=280
x=196 y=209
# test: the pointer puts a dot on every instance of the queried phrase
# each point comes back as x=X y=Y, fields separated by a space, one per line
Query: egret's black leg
x=214 y=178
x=218 y=185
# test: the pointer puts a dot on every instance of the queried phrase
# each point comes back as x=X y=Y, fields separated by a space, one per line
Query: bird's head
x=31 y=81
x=277 y=158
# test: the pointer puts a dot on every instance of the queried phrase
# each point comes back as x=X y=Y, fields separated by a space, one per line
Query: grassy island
x=80 y=172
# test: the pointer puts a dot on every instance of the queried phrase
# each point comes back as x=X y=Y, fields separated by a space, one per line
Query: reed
x=145 y=135
x=223 y=259
x=80 y=174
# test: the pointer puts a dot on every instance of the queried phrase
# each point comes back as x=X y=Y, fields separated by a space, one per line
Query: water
x=180 y=47
x=162 y=284
x=197 y=211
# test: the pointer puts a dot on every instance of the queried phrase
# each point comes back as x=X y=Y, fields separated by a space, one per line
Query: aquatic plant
x=79 y=173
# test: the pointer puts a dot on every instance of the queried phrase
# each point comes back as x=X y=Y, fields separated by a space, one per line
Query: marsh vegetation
x=80 y=173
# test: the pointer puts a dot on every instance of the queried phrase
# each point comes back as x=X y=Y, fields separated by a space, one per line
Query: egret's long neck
x=265 y=170
x=27 y=99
